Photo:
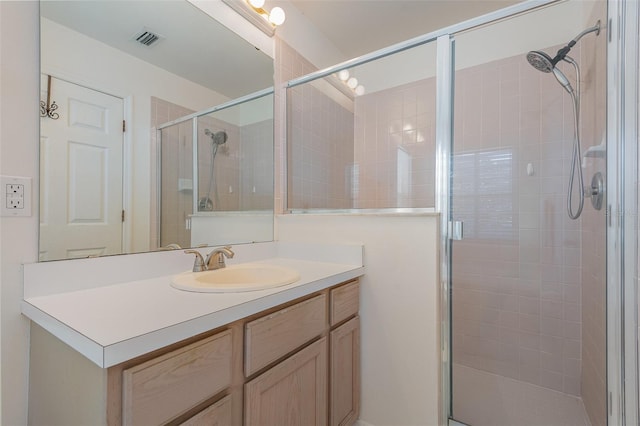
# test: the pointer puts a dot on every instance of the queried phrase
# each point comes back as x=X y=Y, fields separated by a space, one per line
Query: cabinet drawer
x=162 y=388
x=275 y=335
x=218 y=414
x=345 y=302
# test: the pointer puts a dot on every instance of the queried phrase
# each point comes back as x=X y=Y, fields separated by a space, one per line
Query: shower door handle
x=456 y=230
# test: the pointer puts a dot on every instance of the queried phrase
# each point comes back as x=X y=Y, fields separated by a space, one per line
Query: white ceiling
x=195 y=46
x=357 y=27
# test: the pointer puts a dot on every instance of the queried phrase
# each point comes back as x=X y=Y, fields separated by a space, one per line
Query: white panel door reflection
x=81 y=174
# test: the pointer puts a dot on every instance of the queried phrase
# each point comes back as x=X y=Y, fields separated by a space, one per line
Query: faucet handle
x=215 y=259
x=198 y=264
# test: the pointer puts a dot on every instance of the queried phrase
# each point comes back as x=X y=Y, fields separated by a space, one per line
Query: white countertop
x=114 y=322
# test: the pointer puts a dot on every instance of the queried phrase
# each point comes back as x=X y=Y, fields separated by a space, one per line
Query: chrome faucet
x=215 y=259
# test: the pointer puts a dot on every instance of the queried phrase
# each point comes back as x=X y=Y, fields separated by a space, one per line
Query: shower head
x=540 y=61
x=545 y=63
x=563 y=80
x=218 y=138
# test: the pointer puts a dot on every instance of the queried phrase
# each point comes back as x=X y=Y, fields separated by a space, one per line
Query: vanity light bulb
x=360 y=90
x=256 y=3
x=277 y=16
x=343 y=75
x=352 y=82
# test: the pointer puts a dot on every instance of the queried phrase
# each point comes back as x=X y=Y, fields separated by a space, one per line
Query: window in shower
x=369 y=146
x=484 y=193
x=528 y=283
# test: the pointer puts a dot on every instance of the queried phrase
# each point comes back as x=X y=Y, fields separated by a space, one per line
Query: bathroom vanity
x=285 y=356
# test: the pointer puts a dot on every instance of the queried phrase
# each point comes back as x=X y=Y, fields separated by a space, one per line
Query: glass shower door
x=528 y=314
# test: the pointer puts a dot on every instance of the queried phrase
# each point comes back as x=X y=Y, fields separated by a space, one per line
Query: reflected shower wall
x=234 y=174
x=370 y=148
x=172 y=201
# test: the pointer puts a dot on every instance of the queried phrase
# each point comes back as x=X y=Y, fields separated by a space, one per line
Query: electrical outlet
x=16 y=196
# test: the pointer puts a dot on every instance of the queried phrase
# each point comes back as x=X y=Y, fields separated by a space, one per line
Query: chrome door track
x=457 y=423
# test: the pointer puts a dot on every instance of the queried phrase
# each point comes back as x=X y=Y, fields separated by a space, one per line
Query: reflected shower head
x=218 y=138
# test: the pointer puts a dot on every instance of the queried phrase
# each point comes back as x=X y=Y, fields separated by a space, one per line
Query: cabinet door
x=292 y=393
x=218 y=414
x=345 y=373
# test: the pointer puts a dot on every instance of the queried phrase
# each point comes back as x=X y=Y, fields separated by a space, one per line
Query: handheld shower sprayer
x=545 y=63
x=217 y=139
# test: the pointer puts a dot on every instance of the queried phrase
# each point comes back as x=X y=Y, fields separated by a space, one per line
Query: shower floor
x=486 y=399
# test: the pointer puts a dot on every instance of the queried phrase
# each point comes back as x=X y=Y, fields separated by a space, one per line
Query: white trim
x=616 y=288
x=626 y=191
x=127 y=175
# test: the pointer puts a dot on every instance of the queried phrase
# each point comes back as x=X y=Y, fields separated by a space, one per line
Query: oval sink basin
x=236 y=278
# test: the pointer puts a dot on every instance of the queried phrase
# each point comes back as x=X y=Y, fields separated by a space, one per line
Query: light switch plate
x=15 y=195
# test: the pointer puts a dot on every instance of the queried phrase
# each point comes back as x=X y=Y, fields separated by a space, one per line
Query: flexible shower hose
x=576 y=155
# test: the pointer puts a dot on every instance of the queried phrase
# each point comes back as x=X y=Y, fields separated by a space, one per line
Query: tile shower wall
x=517 y=274
x=243 y=168
x=289 y=64
x=594 y=239
x=226 y=178
x=320 y=144
x=395 y=147
x=176 y=158
x=378 y=157
x=256 y=169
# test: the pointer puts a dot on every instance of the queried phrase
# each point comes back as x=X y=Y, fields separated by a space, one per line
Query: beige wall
x=19 y=96
x=398 y=307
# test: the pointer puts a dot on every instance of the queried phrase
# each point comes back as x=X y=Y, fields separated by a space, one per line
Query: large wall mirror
x=116 y=176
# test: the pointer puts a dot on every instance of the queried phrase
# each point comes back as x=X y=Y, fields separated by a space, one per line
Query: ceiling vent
x=147 y=37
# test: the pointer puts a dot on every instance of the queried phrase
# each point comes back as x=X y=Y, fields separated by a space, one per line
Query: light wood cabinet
x=218 y=414
x=293 y=393
x=292 y=365
x=345 y=373
x=277 y=334
x=165 y=387
x=345 y=302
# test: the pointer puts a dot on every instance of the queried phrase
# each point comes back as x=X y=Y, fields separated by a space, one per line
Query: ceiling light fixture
x=253 y=11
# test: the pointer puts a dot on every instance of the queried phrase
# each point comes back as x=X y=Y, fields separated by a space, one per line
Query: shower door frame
x=622 y=208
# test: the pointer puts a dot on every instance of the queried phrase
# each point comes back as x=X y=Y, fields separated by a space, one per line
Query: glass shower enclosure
x=528 y=277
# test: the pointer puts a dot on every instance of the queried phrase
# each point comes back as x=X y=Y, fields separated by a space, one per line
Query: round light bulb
x=360 y=90
x=256 y=3
x=277 y=16
x=343 y=75
x=352 y=82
